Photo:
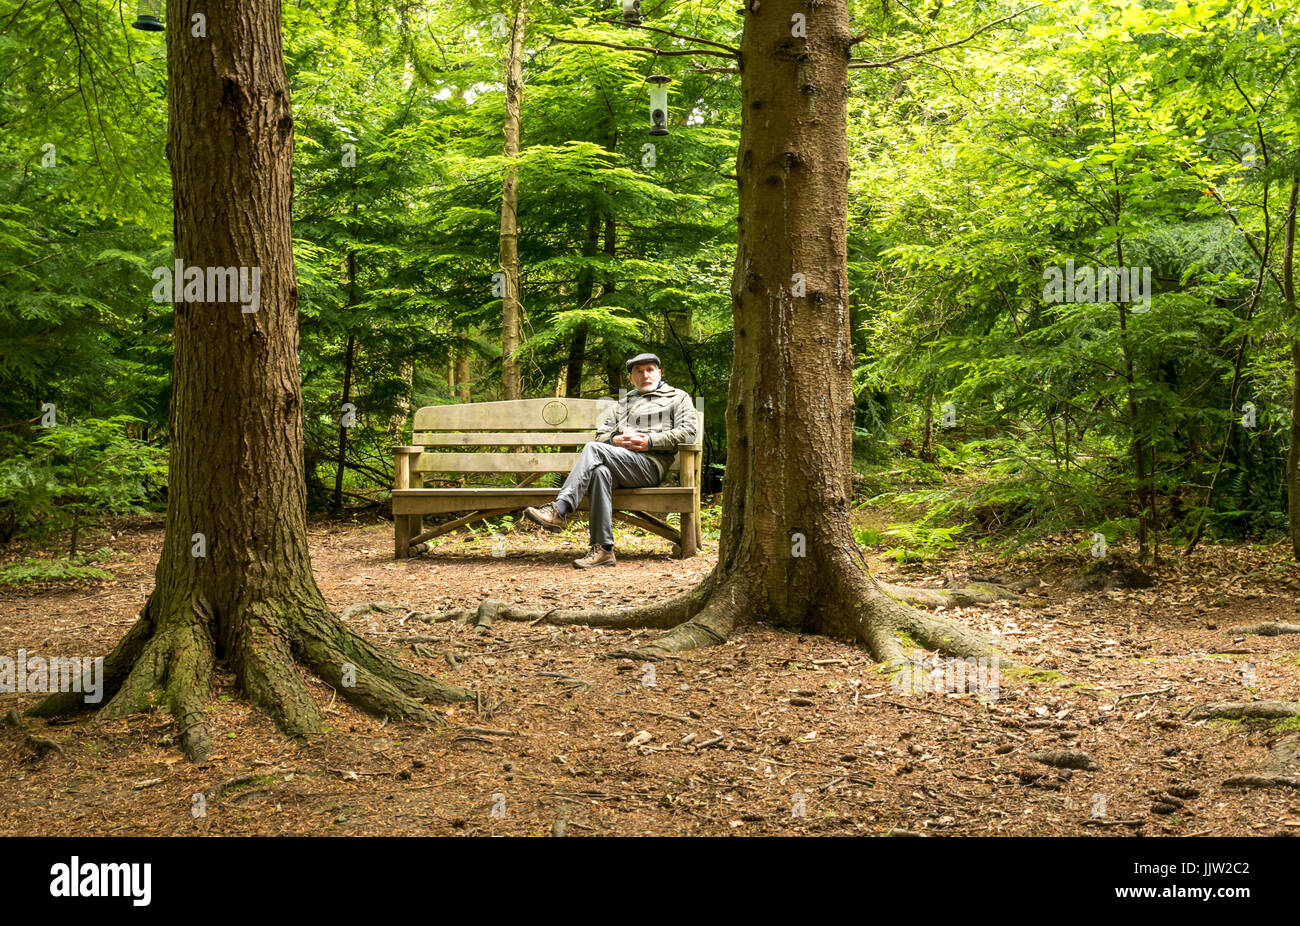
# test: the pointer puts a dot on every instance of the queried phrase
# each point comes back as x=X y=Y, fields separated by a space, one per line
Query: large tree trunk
x=236 y=472
x=787 y=553
x=511 y=309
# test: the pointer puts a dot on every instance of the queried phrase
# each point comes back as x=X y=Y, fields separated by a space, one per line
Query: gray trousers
x=603 y=468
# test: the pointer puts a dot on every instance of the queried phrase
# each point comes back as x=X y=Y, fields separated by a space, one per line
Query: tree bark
x=236 y=484
x=1293 y=451
x=511 y=308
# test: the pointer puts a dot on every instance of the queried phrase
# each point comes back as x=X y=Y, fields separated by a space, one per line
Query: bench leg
x=401 y=535
x=689 y=535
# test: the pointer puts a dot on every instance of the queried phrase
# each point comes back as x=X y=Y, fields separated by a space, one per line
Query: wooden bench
x=504 y=438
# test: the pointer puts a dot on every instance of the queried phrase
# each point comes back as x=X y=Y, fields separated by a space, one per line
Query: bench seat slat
x=503 y=438
x=562 y=414
x=501 y=462
x=662 y=499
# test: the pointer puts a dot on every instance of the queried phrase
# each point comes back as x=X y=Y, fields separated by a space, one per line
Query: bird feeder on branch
x=658 y=104
x=148 y=17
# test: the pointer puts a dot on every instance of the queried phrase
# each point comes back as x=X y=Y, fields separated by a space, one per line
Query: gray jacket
x=665 y=414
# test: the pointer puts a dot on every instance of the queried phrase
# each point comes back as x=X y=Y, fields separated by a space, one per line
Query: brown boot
x=548 y=516
x=596 y=556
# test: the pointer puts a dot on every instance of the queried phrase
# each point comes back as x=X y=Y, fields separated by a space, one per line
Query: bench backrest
x=501 y=428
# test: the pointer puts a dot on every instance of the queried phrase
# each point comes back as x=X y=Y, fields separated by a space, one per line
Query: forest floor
x=771 y=733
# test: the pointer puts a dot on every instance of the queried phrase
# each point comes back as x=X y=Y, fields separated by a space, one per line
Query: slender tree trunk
x=927 y=430
x=573 y=367
x=1234 y=388
x=1293 y=452
x=1145 y=490
x=343 y=430
x=511 y=308
x=586 y=289
x=402 y=402
x=235 y=579
x=462 y=383
x=679 y=326
x=347 y=382
x=614 y=371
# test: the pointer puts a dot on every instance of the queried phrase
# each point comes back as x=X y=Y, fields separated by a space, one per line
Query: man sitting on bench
x=636 y=441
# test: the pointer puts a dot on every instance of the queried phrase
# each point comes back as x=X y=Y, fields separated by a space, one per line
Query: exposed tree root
x=1245 y=710
x=189 y=679
x=381 y=685
x=117 y=666
x=169 y=654
x=726 y=607
x=655 y=615
x=880 y=617
x=1265 y=630
x=169 y=657
x=1262 y=781
x=37 y=744
x=1278 y=771
x=1064 y=758
x=708 y=614
x=970 y=594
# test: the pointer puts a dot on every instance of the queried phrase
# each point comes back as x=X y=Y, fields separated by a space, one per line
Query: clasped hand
x=639 y=442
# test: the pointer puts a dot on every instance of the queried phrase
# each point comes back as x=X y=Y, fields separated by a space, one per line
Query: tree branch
x=863 y=63
x=645 y=48
x=677 y=35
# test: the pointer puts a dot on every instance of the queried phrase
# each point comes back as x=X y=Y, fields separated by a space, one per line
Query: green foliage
x=1103 y=136
x=74 y=475
x=922 y=541
x=32 y=569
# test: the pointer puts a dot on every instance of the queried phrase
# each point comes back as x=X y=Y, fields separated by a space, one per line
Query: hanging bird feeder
x=658 y=104
x=632 y=11
x=148 y=17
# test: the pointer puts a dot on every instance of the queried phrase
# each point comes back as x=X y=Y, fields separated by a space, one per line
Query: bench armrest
x=403 y=455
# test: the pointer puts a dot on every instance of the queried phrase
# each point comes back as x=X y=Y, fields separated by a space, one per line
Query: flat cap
x=643 y=358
